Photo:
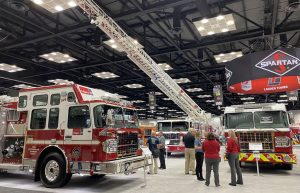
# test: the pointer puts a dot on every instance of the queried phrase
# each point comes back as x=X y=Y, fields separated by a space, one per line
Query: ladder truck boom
x=161 y=79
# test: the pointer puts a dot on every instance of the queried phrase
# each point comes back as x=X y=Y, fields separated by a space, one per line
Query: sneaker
x=201 y=179
x=239 y=183
x=206 y=184
x=231 y=184
x=218 y=185
x=186 y=173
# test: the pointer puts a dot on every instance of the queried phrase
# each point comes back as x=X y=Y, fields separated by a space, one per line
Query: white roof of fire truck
x=255 y=107
x=83 y=94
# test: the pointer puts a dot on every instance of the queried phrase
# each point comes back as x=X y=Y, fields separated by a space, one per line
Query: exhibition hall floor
x=171 y=180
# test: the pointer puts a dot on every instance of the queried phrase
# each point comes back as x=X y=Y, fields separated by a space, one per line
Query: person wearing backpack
x=152 y=144
x=232 y=152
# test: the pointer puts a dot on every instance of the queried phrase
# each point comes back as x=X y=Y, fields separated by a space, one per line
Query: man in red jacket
x=211 y=149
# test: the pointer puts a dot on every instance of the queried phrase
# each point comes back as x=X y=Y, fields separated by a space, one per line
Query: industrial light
x=182 y=80
x=20 y=86
x=55 y=5
x=140 y=109
x=194 y=89
x=105 y=75
x=172 y=110
x=165 y=66
x=210 y=101
x=283 y=96
x=60 y=81
x=112 y=43
x=10 y=68
x=134 y=86
x=138 y=101
x=246 y=103
x=160 y=113
x=162 y=107
x=247 y=98
x=226 y=57
x=58 y=57
x=142 y=114
x=166 y=99
x=215 y=25
x=282 y=101
x=204 y=96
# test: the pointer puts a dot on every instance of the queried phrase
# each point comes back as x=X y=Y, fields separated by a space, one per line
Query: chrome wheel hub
x=52 y=170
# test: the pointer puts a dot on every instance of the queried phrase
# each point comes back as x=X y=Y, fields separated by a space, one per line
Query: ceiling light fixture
x=105 y=75
x=226 y=57
x=60 y=81
x=204 y=96
x=134 y=85
x=194 y=89
x=55 y=6
x=10 y=68
x=165 y=66
x=215 y=25
x=21 y=86
x=58 y=57
x=182 y=80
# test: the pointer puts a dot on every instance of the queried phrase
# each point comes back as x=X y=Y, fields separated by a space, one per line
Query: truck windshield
x=164 y=126
x=180 y=126
x=239 y=120
x=130 y=118
x=270 y=119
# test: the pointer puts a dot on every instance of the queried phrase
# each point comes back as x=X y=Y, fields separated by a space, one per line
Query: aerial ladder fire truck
x=56 y=131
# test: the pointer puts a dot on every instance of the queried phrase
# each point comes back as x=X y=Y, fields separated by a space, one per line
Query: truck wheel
x=288 y=166
x=53 y=171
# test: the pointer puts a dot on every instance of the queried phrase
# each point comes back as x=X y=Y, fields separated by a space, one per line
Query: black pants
x=162 y=161
x=199 y=162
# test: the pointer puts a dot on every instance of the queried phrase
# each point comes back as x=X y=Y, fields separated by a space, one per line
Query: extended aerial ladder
x=161 y=79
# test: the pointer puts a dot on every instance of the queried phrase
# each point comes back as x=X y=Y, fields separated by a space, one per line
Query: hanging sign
x=152 y=100
x=218 y=95
x=264 y=72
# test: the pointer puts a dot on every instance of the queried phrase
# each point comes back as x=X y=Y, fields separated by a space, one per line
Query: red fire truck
x=56 y=131
x=263 y=132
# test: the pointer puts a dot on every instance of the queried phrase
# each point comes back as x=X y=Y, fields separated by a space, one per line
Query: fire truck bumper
x=276 y=158
x=121 y=166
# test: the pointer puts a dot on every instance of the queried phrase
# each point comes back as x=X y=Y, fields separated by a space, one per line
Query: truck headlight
x=282 y=141
x=110 y=146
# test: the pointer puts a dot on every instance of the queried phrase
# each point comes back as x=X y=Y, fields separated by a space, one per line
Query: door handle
x=89 y=131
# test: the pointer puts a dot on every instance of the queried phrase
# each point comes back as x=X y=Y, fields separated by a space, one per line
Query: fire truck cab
x=262 y=128
x=57 y=131
x=174 y=130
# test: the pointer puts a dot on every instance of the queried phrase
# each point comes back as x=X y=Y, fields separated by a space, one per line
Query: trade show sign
x=218 y=95
x=264 y=72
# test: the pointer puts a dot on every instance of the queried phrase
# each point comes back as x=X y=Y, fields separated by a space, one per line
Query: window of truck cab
x=271 y=119
x=130 y=118
x=108 y=116
x=242 y=120
x=79 y=117
x=164 y=126
x=180 y=126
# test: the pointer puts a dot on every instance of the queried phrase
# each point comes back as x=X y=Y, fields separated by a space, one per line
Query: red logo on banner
x=279 y=63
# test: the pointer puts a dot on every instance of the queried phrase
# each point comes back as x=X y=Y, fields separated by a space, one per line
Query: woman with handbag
x=152 y=143
x=232 y=154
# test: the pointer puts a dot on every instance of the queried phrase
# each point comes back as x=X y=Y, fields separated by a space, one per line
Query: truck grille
x=172 y=135
x=266 y=138
x=127 y=144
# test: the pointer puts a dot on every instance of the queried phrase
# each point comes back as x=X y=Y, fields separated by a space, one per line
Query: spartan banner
x=264 y=72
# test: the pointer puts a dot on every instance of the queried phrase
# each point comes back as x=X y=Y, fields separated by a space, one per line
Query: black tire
x=288 y=166
x=97 y=176
x=169 y=153
x=54 y=161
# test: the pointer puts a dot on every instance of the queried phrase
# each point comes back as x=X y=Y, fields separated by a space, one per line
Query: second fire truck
x=263 y=133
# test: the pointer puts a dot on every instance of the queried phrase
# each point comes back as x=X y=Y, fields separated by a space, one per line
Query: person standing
x=233 y=151
x=211 y=149
x=162 y=150
x=152 y=144
x=199 y=156
x=189 y=154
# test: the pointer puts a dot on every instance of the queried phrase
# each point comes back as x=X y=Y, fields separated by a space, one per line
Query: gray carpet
x=15 y=190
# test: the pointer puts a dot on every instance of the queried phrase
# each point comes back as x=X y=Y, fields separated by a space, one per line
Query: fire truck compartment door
x=78 y=124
